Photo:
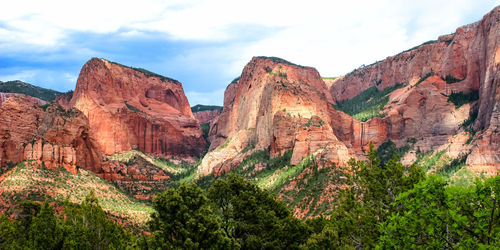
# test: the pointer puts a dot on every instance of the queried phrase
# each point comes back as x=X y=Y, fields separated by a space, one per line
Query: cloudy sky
x=205 y=44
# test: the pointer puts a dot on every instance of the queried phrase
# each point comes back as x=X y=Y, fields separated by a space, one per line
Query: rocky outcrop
x=486 y=152
x=276 y=106
x=132 y=108
x=461 y=62
x=206 y=116
x=65 y=100
x=53 y=136
x=421 y=112
x=4 y=96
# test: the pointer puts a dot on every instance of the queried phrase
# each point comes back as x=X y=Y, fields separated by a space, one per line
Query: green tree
x=254 y=217
x=366 y=201
x=434 y=215
x=87 y=227
x=45 y=232
x=184 y=219
x=12 y=234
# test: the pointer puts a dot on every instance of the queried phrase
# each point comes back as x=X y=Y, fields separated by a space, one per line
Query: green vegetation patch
x=460 y=98
x=39 y=184
x=136 y=110
x=28 y=89
x=418 y=46
x=367 y=104
x=128 y=157
x=424 y=78
x=441 y=164
x=329 y=78
x=386 y=150
x=451 y=79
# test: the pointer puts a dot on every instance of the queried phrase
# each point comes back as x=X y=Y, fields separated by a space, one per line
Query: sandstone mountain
x=461 y=63
x=424 y=99
x=132 y=108
x=277 y=106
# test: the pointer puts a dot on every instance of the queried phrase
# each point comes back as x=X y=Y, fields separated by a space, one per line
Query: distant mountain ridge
x=21 y=87
x=201 y=107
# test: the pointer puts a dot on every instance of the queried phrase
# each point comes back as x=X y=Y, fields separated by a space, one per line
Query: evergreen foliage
x=366 y=202
x=82 y=226
x=183 y=219
x=460 y=98
x=28 y=89
x=383 y=206
x=435 y=215
x=368 y=103
x=200 y=107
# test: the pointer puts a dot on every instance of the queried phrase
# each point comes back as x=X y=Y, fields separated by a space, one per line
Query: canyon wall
x=277 y=106
x=53 y=136
x=132 y=108
x=461 y=62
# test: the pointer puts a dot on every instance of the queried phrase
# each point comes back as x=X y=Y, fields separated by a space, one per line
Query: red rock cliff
x=132 y=109
x=276 y=106
x=54 y=137
x=472 y=53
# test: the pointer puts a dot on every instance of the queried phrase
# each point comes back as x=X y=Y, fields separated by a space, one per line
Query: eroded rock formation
x=275 y=106
x=53 y=136
x=465 y=61
x=132 y=108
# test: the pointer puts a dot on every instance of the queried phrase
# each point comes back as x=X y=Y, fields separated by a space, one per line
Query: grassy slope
x=367 y=104
x=24 y=182
x=162 y=163
x=307 y=189
x=28 y=89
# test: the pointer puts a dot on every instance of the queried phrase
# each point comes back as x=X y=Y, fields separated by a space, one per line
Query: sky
x=206 y=44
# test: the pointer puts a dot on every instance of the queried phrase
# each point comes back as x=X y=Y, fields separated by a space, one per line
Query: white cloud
x=215 y=97
x=333 y=36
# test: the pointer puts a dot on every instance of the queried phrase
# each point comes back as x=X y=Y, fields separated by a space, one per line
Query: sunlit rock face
x=471 y=57
x=277 y=106
x=53 y=137
x=134 y=109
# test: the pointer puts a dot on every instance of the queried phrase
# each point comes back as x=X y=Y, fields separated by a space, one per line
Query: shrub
x=451 y=79
x=460 y=98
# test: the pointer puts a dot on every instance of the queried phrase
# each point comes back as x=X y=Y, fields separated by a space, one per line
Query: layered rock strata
x=132 y=108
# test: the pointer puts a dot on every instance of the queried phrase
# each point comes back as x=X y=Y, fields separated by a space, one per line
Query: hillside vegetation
x=28 y=89
x=25 y=182
x=201 y=107
x=380 y=206
x=367 y=104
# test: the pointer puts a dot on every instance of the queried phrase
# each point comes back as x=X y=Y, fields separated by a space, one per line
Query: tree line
x=384 y=205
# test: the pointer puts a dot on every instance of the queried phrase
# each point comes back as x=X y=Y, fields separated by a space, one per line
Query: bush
x=451 y=79
x=460 y=98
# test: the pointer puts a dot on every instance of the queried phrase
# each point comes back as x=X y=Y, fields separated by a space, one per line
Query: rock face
x=131 y=108
x=206 y=116
x=419 y=112
x=276 y=106
x=54 y=137
x=4 y=96
x=469 y=59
